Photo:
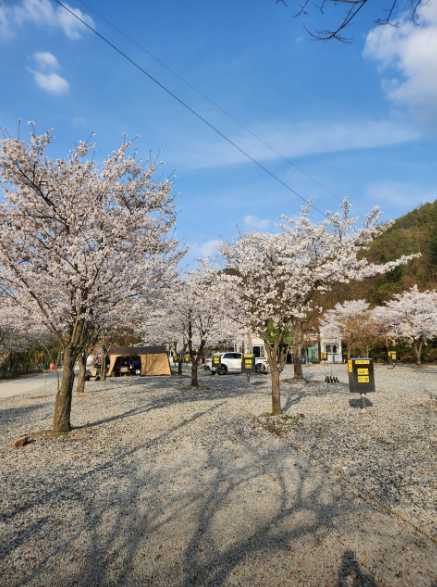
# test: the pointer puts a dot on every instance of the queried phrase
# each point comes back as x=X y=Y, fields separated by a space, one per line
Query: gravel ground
x=26 y=384
x=160 y=484
x=387 y=451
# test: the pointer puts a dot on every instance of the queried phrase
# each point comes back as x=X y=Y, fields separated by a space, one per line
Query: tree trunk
x=61 y=418
x=180 y=363
x=80 y=386
x=103 y=366
x=297 y=350
x=272 y=357
x=194 y=374
x=276 y=392
x=297 y=363
x=418 y=351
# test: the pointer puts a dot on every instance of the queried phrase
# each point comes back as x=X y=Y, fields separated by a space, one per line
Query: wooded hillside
x=412 y=233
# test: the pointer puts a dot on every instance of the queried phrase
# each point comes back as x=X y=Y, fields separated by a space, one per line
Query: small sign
x=361 y=375
x=215 y=360
x=248 y=362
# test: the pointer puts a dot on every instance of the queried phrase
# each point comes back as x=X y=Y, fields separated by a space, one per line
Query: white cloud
x=45 y=60
x=293 y=141
x=398 y=194
x=52 y=83
x=258 y=223
x=45 y=76
x=205 y=250
x=5 y=25
x=407 y=56
x=35 y=11
x=41 y=13
x=69 y=24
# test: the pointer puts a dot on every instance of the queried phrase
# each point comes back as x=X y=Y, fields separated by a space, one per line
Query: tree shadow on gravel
x=175 y=391
x=12 y=416
x=300 y=508
x=150 y=514
x=47 y=496
x=207 y=561
x=125 y=536
x=351 y=574
x=360 y=403
x=65 y=494
x=176 y=394
x=294 y=394
x=100 y=386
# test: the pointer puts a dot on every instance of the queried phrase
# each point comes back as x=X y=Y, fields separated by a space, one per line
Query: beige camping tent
x=153 y=360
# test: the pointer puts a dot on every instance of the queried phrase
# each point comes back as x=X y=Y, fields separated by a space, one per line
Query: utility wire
x=209 y=100
x=190 y=109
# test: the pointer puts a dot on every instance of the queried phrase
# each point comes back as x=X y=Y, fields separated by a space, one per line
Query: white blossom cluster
x=195 y=313
x=411 y=315
x=275 y=277
x=336 y=321
x=80 y=246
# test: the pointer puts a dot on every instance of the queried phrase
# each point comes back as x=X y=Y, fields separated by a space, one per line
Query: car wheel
x=222 y=369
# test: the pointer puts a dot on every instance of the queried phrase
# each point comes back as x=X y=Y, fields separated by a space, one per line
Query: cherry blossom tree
x=21 y=340
x=277 y=277
x=412 y=316
x=196 y=315
x=352 y=321
x=385 y=326
x=125 y=322
x=77 y=240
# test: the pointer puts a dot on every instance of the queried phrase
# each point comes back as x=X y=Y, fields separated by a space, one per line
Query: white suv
x=231 y=363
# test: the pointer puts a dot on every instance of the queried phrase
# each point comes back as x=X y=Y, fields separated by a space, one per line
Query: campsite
x=144 y=360
x=218 y=293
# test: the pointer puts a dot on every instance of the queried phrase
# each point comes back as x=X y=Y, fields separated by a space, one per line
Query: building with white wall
x=328 y=350
x=331 y=349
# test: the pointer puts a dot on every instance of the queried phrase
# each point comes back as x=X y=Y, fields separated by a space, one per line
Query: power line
x=208 y=99
x=185 y=105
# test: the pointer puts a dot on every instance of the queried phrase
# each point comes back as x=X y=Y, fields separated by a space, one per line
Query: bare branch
x=390 y=10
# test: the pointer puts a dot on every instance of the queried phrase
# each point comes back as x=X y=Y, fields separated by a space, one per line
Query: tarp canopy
x=153 y=359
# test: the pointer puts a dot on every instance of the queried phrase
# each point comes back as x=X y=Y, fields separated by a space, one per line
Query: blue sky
x=356 y=120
